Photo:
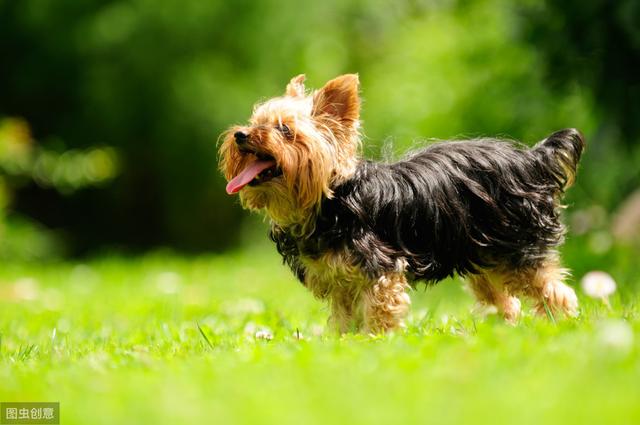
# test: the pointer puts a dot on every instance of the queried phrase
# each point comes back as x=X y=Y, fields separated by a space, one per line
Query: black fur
x=445 y=209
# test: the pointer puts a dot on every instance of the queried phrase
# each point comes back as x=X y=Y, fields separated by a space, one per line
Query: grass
x=169 y=340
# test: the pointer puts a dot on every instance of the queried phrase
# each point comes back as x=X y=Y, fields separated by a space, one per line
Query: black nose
x=241 y=137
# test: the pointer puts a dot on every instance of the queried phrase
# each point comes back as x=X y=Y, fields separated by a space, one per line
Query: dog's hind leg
x=545 y=285
x=490 y=289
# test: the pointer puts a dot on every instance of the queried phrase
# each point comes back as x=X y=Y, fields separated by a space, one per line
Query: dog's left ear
x=295 y=88
x=339 y=99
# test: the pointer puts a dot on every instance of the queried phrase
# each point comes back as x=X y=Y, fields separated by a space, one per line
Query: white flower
x=615 y=334
x=598 y=284
x=264 y=334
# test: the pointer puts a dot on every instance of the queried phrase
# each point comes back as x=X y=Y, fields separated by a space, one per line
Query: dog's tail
x=560 y=154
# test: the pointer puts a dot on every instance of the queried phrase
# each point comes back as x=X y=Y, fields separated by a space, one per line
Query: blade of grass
x=548 y=311
x=204 y=336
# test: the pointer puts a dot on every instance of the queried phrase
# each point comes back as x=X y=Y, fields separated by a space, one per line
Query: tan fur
x=489 y=289
x=295 y=88
x=357 y=301
x=544 y=285
x=386 y=303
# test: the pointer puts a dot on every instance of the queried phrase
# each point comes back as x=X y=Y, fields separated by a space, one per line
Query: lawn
x=164 y=339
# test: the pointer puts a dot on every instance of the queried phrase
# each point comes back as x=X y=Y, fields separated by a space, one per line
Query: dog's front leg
x=345 y=315
x=385 y=303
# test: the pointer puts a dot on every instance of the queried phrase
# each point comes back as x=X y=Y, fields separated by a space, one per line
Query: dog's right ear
x=336 y=107
x=339 y=99
x=295 y=88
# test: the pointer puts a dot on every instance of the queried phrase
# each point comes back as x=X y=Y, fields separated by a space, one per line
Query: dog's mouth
x=260 y=170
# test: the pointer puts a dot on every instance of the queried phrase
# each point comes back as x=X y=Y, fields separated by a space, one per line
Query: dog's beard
x=275 y=200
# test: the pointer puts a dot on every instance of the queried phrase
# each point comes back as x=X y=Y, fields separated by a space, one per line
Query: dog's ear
x=295 y=88
x=339 y=99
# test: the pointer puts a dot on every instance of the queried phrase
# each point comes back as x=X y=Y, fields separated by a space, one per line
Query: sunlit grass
x=167 y=340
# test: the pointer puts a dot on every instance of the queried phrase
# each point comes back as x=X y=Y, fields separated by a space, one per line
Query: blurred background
x=110 y=110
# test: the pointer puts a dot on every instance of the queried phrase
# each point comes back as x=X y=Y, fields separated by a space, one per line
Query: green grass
x=168 y=340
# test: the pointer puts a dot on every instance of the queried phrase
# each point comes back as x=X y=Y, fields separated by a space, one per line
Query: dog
x=361 y=234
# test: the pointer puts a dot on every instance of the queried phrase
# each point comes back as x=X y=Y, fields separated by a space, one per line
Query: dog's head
x=294 y=149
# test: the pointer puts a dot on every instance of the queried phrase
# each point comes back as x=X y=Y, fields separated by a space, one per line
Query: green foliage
x=67 y=171
x=160 y=80
x=595 y=44
x=595 y=47
x=22 y=161
x=166 y=340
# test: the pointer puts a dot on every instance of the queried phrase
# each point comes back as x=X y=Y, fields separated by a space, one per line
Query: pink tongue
x=248 y=174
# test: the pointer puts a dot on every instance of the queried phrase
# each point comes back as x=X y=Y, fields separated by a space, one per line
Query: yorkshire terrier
x=360 y=233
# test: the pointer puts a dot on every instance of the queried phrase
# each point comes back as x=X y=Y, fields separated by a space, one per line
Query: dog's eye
x=285 y=130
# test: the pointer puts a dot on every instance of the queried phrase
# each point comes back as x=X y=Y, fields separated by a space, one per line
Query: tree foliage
x=160 y=80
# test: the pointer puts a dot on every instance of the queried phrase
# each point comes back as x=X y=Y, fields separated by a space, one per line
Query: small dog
x=360 y=233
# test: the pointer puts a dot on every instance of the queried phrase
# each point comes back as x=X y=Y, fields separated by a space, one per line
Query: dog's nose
x=241 y=137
